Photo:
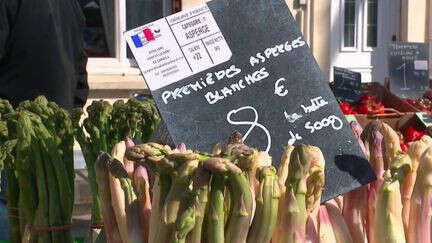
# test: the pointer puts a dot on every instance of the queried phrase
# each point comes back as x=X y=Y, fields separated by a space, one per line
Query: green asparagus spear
x=25 y=168
x=185 y=224
x=41 y=214
x=57 y=210
x=176 y=199
x=98 y=121
x=5 y=107
x=12 y=191
x=61 y=173
x=90 y=158
x=267 y=206
x=200 y=189
x=242 y=200
x=118 y=123
x=238 y=225
x=215 y=217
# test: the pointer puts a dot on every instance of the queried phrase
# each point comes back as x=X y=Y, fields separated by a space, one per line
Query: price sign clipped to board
x=347 y=85
x=219 y=68
x=409 y=69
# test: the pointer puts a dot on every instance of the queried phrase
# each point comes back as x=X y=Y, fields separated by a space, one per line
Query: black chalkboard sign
x=347 y=85
x=243 y=65
x=409 y=69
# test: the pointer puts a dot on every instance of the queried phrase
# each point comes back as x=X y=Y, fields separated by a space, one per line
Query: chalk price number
x=251 y=124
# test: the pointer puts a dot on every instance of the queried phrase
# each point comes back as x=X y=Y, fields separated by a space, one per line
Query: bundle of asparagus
x=231 y=195
x=104 y=126
x=235 y=195
x=395 y=207
x=37 y=151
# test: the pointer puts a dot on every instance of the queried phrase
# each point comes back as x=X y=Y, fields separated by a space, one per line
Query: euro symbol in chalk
x=280 y=88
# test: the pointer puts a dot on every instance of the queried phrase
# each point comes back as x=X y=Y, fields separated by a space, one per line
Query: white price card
x=421 y=65
x=178 y=46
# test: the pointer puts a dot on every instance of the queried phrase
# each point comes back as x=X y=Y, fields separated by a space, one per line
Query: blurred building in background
x=353 y=34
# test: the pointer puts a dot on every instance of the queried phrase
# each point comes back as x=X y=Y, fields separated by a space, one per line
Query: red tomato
x=365 y=98
x=345 y=107
x=411 y=134
x=364 y=109
x=380 y=109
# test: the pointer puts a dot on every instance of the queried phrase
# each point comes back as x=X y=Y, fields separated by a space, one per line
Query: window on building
x=372 y=23
x=359 y=25
x=349 y=23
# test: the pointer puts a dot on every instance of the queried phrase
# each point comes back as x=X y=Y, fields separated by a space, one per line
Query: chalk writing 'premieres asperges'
x=259 y=58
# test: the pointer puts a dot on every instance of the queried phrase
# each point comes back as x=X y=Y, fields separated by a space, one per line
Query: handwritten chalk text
x=276 y=51
x=333 y=121
x=213 y=97
x=209 y=80
x=316 y=104
x=252 y=124
x=291 y=118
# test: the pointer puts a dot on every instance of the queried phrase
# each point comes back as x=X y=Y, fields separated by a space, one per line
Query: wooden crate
x=398 y=122
x=388 y=99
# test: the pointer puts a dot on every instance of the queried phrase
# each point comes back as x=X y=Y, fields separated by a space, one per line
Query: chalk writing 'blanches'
x=213 y=97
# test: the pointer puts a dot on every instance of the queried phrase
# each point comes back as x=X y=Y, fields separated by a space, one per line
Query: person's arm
x=8 y=13
x=82 y=88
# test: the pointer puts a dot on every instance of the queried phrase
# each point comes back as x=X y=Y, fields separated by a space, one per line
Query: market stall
x=241 y=141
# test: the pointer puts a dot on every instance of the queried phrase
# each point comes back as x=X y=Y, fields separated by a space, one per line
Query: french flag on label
x=143 y=38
